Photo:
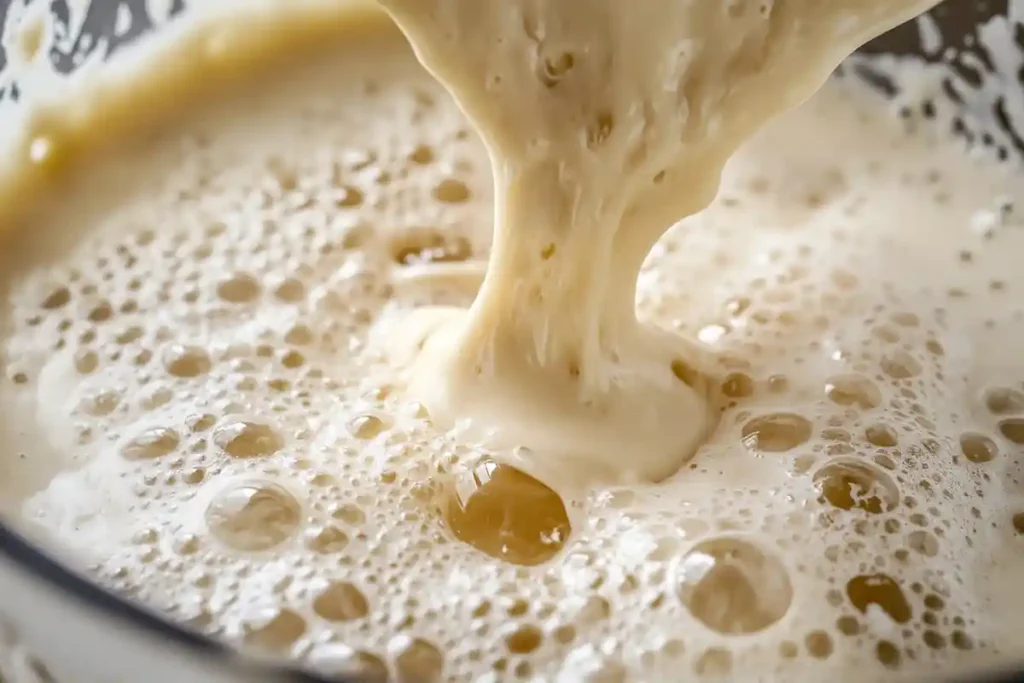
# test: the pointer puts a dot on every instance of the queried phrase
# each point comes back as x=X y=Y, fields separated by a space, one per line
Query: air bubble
x=1013 y=429
x=849 y=484
x=152 y=443
x=186 y=361
x=366 y=427
x=776 y=432
x=341 y=601
x=328 y=540
x=451 y=191
x=1004 y=401
x=733 y=587
x=714 y=662
x=853 y=390
x=881 y=435
x=278 y=633
x=57 y=298
x=239 y=288
x=819 y=644
x=241 y=439
x=881 y=591
x=416 y=660
x=253 y=516
x=978 y=448
x=507 y=514
x=524 y=640
x=901 y=365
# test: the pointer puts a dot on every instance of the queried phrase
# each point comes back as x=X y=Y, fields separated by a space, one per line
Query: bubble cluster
x=208 y=352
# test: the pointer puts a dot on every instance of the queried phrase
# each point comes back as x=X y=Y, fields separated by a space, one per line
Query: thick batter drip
x=605 y=123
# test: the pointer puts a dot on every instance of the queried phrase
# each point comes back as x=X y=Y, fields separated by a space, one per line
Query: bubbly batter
x=204 y=314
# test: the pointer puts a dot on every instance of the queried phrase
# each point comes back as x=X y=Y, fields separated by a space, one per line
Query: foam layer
x=195 y=344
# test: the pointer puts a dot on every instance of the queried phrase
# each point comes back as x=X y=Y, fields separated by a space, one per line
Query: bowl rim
x=44 y=567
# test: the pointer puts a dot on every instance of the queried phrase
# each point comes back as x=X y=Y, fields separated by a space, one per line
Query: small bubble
x=290 y=290
x=299 y=335
x=451 y=191
x=738 y=385
x=152 y=443
x=349 y=197
x=714 y=662
x=819 y=644
x=853 y=390
x=882 y=591
x=416 y=660
x=366 y=427
x=239 y=288
x=888 y=654
x=978 y=448
x=341 y=601
x=58 y=298
x=881 y=435
x=86 y=362
x=278 y=633
x=186 y=361
x=901 y=365
x=776 y=432
x=1003 y=401
x=734 y=587
x=328 y=540
x=849 y=484
x=253 y=516
x=1013 y=429
x=923 y=542
x=524 y=640
x=422 y=155
x=247 y=439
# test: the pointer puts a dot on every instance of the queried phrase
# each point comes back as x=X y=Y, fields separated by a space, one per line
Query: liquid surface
x=198 y=353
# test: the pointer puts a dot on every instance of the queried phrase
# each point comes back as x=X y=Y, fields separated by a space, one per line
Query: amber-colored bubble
x=451 y=191
x=341 y=601
x=253 y=516
x=978 y=448
x=819 y=644
x=848 y=484
x=507 y=514
x=733 y=587
x=186 y=361
x=882 y=591
x=776 y=432
x=57 y=298
x=888 y=654
x=239 y=288
x=1013 y=429
x=737 y=385
x=1004 y=401
x=346 y=664
x=923 y=542
x=241 y=439
x=881 y=435
x=901 y=365
x=366 y=427
x=1018 y=523
x=328 y=540
x=416 y=660
x=713 y=663
x=524 y=640
x=853 y=390
x=152 y=443
x=277 y=634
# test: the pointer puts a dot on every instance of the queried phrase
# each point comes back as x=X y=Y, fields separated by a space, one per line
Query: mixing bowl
x=56 y=626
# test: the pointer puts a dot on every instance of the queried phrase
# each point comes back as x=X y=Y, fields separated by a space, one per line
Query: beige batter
x=605 y=125
x=203 y=406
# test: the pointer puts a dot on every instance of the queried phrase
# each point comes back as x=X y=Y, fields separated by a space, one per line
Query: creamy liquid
x=198 y=342
x=605 y=124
